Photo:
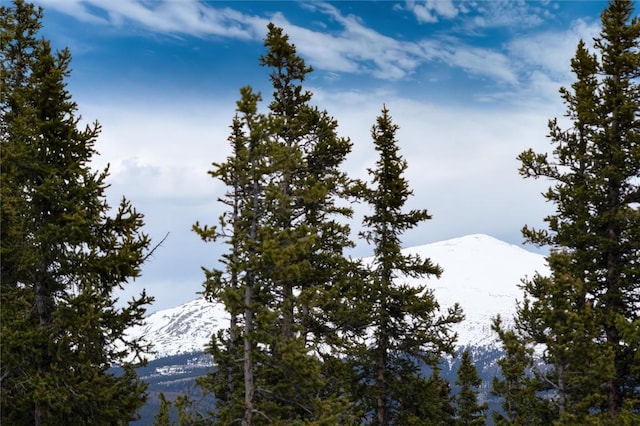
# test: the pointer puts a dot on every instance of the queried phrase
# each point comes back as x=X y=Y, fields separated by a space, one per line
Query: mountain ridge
x=481 y=273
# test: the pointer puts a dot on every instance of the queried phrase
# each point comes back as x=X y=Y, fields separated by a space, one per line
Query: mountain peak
x=481 y=273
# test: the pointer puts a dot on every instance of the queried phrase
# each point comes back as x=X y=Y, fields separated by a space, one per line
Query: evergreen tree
x=63 y=255
x=557 y=314
x=431 y=404
x=307 y=227
x=581 y=314
x=469 y=410
x=286 y=241
x=585 y=314
x=518 y=388
x=163 y=416
x=244 y=174
x=405 y=324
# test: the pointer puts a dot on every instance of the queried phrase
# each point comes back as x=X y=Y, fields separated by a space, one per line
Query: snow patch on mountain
x=481 y=274
x=184 y=329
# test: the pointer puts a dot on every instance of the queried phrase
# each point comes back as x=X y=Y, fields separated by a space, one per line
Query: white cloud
x=462 y=168
x=477 y=61
x=180 y=17
x=76 y=8
x=356 y=48
x=486 y=14
x=551 y=51
x=159 y=149
x=429 y=11
x=510 y=13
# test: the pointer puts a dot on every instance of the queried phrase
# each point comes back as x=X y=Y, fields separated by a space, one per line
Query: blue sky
x=471 y=85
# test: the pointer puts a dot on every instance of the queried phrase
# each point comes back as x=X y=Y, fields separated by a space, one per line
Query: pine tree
x=286 y=240
x=431 y=404
x=585 y=313
x=244 y=174
x=408 y=330
x=307 y=227
x=163 y=416
x=469 y=411
x=518 y=388
x=556 y=313
x=63 y=255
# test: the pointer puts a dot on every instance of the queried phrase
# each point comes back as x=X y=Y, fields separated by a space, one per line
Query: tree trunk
x=381 y=379
x=249 y=386
x=42 y=310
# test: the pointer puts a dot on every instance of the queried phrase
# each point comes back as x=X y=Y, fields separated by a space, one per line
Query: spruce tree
x=286 y=240
x=244 y=174
x=517 y=387
x=307 y=227
x=469 y=411
x=400 y=327
x=586 y=313
x=63 y=255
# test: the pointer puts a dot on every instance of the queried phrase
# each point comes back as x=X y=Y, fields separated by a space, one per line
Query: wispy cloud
x=353 y=47
x=551 y=52
x=477 y=61
x=179 y=17
x=357 y=48
x=486 y=14
x=430 y=10
x=508 y=13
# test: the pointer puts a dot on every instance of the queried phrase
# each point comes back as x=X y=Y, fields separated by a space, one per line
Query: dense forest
x=315 y=337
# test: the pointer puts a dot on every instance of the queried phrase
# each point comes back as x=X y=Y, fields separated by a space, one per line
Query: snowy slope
x=183 y=329
x=481 y=273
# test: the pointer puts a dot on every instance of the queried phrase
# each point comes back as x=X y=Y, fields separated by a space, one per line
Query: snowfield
x=481 y=274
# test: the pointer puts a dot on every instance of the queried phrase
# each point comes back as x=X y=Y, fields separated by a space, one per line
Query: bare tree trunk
x=249 y=386
x=381 y=379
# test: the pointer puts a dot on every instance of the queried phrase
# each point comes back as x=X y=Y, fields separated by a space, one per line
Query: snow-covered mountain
x=481 y=273
x=184 y=329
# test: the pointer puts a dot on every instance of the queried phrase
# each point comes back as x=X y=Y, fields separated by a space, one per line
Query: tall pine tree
x=586 y=314
x=283 y=226
x=63 y=255
x=237 y=285
x=306 y=224
x=401 y=328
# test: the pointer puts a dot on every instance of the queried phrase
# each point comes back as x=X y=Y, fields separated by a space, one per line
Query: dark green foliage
x=431 y=403
x=63 y=255
x=468 y=410
x=180 y=412
x=286 y=240
x=586 y=313
x=557 y=313
x=237 y=287
x=163 y=416
x=396 y=328
x=520 y=390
